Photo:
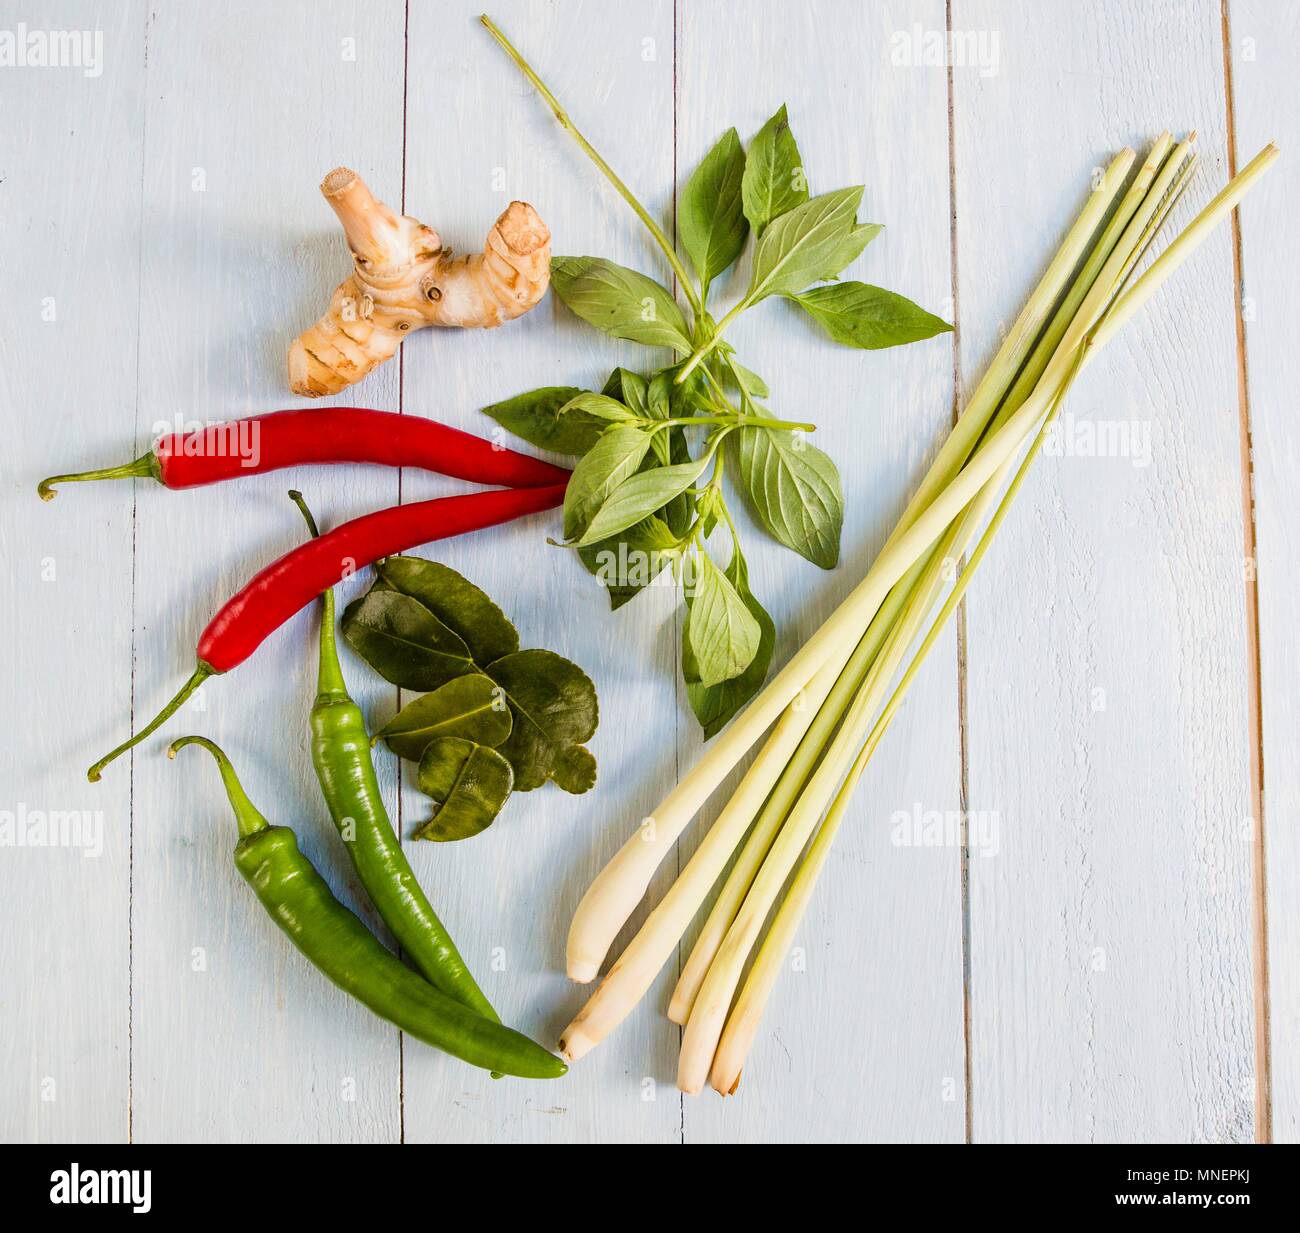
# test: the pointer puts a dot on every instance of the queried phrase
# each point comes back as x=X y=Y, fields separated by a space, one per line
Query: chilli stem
x=144 y=467
x=247 y=815
x=329 y=677
x=201 y=674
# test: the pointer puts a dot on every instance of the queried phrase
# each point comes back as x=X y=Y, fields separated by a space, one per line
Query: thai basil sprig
x=648 y=490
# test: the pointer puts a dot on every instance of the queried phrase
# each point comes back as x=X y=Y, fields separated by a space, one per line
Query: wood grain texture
x=255 y=1045
x=1264 y=38
x=478 y=136
x=1111 y=982
x=884 y=913
x=70 y=283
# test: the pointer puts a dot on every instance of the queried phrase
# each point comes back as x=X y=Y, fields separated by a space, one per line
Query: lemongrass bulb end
x=690 y=1086
x=583 y=970
x=574 y=1044
x=723 y=1082
x=693 y=1066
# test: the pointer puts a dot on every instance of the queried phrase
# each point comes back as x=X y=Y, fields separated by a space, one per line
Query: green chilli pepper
x=340 y=752
x=336 y=941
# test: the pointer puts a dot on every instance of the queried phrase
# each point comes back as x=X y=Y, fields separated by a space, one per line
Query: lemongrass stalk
x=738 y=1034
x=1171 y=197
x=1098 y=302
x=742 y=1023
x=1137 y=235
x=620 y=886
x=625 y=984
x=1157 y=157
x=1185 y=244
x=1020 y=339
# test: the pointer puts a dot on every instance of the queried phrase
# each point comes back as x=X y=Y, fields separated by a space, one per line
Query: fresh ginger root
x=404 y=280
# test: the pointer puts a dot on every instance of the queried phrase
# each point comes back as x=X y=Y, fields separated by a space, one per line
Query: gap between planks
x=963 y=787
x=135 y=537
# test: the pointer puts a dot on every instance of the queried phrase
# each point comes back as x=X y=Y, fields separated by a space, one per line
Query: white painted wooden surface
x=1105 y=955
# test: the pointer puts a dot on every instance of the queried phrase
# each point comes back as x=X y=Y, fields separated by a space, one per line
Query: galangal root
x=404 y=279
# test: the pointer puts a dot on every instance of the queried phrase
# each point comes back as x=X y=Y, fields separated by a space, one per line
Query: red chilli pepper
x=285 y=586
x=261 y=443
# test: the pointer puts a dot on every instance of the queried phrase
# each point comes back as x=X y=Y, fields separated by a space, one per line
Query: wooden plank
x=236 y=1037
x=863 y=1039
x=1264 y=42
x=477 y=137
x=1111 y=983
x=68 y=381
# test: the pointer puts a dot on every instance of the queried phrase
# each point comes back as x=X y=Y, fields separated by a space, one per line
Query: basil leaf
x=403 y=641
x=602 y=469
x=640 y=495
x=461 y=606
x=633 y=390
x=536 y=417
x=708 y=508
x=774 y=181
x=814 y=241
x=721 y=633
x=599 y=406
x=659 y=406
x=470 y=706
x=652 y=534
x=628 y=563
x=741 y=378
x=553 y=704
x=794 y=490
x=860 y=315
x=630 y=389
x=677 y=512
x=468 y=784
x=710 y=216
x=620 y=301
x=660 y=392
x=850 y=247
x=714 y=705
